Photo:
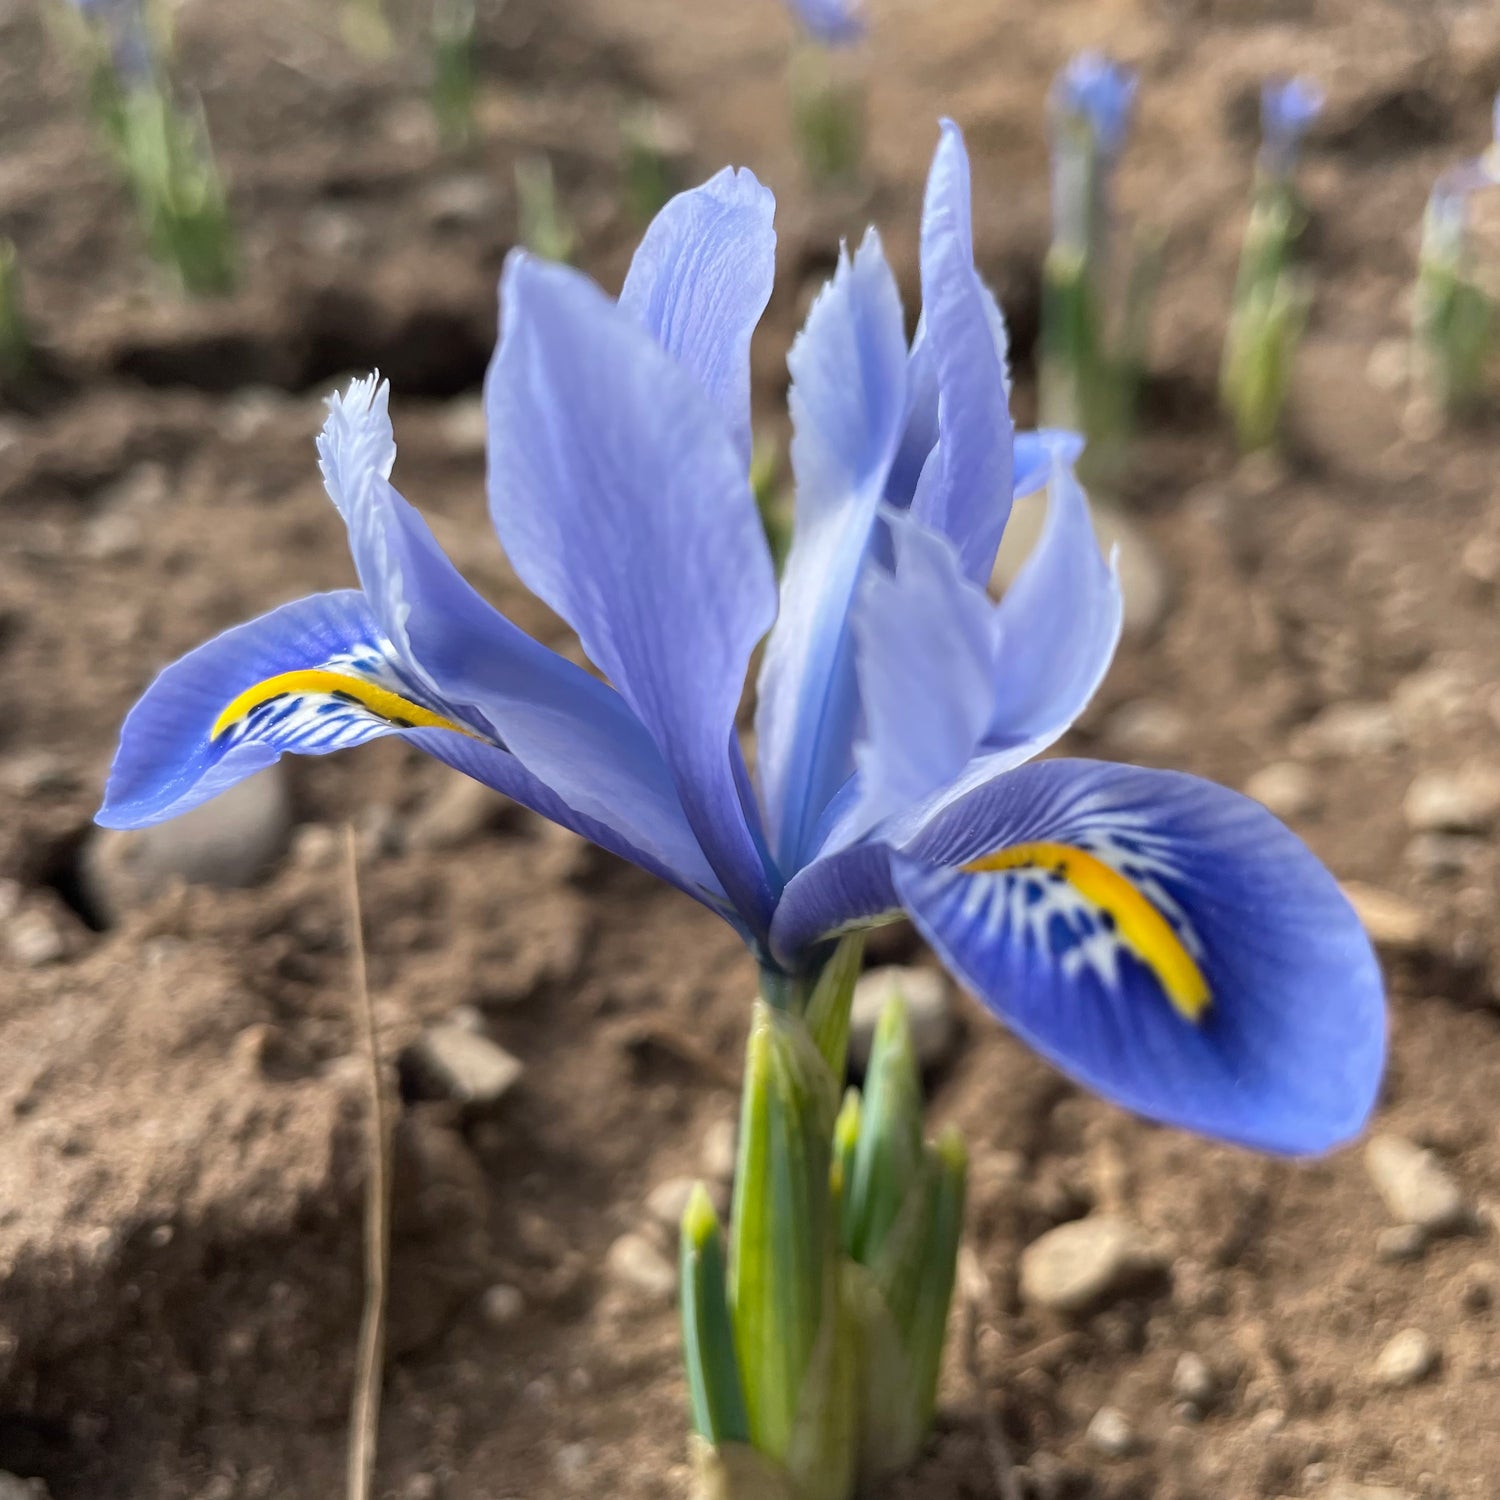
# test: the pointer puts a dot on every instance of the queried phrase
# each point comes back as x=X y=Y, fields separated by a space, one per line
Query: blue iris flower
x=1162 y=940
x=122 y=24
x=834 y=23
x=1097 y=91
x=1288 y=108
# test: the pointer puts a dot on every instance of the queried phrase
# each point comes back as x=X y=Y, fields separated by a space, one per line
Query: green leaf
x=707 y=1337
x=782 y=1231
x=888 y=1156
x=832 y=1001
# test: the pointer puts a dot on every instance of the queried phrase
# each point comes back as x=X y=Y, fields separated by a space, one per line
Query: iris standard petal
x=924 y=647
x=313 y=676
x=837 y=892
x=1165 y=942
x=965 y=488
x=622 y=502
x=700 y=280
x=848 y=401
x=1058 y=625
x=573 y=732
x=1036 y=452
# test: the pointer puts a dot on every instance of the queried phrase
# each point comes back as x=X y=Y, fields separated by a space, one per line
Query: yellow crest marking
x=381 y=702
x=1138 y=925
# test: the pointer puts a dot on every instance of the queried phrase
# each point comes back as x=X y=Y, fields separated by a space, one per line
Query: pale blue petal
x=170 y=759
x=623 y=503
x=919 y=435
x=1035 y=454
x=848 y=402
x=700 y=281
x=924 y=645
x=1058 y=626
x=1287 y=1054
x=572 y=731
x=965 y=488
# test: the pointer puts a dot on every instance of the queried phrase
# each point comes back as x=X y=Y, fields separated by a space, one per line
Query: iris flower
x=834 y=23
x=1162 y=940
x=1288 y=108
x=1096 y=91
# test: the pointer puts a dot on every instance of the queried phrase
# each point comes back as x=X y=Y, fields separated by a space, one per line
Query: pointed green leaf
x=707 y=1337
x=832 y=1001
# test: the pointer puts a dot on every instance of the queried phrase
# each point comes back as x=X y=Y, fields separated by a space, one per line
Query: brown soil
x=180 y=1173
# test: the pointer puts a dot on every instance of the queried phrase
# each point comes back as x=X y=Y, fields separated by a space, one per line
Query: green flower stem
x=813 y=1359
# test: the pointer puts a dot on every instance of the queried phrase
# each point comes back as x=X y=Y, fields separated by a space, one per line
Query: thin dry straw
x=364 y=1412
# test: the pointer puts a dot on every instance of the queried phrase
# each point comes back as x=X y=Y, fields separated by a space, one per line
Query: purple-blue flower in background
x=834 y=23
x=122 y=26
x=1097 y=92
x=1288 y=108
x=1162 y=940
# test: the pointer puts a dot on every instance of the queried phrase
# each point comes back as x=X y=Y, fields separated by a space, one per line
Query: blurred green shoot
x=16 y=355
x=367 y=29
x=1096 y=315
x=654 y=149
x=828 y=114
x=454 y=71
x=1271 y=299
x=813 y=1366
x=771 y=498
x=160 y=144
x=545 y=228
x=1453 y=315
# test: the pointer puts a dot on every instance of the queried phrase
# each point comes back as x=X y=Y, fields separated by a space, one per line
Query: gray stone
x=668 y=1200
x=1110 y=1433
x=457 y=1063
x=1348 y=731
x=13 y=1487
x=1464 y=801
x=461 y=809
x=1392 y=921
x=1407 y=1359
x=929 y=1011
x=1284 y=788
x=35 y=938
x=233 y=840
x=636 y=1263
x=717 y=1153
x=1192 y=1380
x=1146 y=727
x=1088 y=1262
x=1415 y=1187
x=1398 y=1242
x=502 y=1305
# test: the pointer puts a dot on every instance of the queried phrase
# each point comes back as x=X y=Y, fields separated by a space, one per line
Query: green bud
x=453 y=74
x=832 y=1000
x=828 y=114
x=887 y=1159
x=707 y=1337
x=545 y=228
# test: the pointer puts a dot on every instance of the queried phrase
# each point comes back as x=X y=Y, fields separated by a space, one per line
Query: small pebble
x=1453 y=802
x=1348 y=731
x=667 y=1201
x=1087 y=1262
x=13 y=1487
x=1146 y=727
x=1399 y=1242
x=502 y=1305
x=1415 y=1187
x=35 y=771
x=315 y=846
x=1392 y=921
x=421 y=1487
x=1269 y=1422
x=572 y=1459
x=636 y=1262
x=1481 y=1287
x=1408 y=1358
x=1110 y=1433
x=1192 y=1380
x=929 y=1012
x=461 y=809
x=35 y=938
x=1442 y=855
x=450 y=1061
x=1284 y=788
x=716 y=1155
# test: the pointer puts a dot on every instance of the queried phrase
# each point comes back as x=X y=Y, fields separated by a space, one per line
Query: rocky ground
x=1141 y=1315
